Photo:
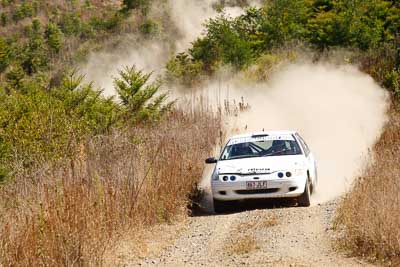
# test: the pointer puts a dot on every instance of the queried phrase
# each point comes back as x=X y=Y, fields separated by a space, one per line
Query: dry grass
x=242 y=245
x=244 y=241
x=70 y=214
x=369 y=216
x=259 y=223
x=270 y=222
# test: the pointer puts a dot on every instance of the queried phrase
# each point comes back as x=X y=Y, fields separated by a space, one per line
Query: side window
x=226 y=152
x=304 y=145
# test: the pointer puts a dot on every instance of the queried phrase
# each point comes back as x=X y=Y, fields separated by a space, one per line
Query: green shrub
x=227 y=42
x=143 y=5
x=5 y=55
x=54 y=37
x=15 y=77
x=183 y=69
x=87 y=31
x=36 y=127
x=106 y=24
x=150 y=27
x=392 y=82
x=25 y=10
x=81 y=101
x=139 y=96
x=283 y=21
x=70 y=24
x=34 y=56
x=39 y=126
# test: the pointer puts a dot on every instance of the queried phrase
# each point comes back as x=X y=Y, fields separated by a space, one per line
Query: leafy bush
x=106 y=24
x=183 y=69
x=70 y=24
x=150 y=27
x=34 y=56
x=25 y=10
x=226 y=41
x=15 y=78
x=382 y=63
x=38 y=126
x=392 y=81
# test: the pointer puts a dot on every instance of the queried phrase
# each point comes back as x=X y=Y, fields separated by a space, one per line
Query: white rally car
x=263 y=165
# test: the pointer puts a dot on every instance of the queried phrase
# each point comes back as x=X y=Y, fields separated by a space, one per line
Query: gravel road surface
x=261 y=235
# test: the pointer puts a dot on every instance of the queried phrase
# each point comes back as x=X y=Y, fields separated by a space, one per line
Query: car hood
x=260 y=164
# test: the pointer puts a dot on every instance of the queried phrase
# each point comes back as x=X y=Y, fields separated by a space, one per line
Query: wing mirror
x=211 y=160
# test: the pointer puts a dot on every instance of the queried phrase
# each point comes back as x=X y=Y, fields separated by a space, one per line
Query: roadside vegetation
x=78 y=169
x=38 y=37
x=367 y=216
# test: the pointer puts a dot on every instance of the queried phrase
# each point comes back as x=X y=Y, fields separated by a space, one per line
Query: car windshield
x=264 y=146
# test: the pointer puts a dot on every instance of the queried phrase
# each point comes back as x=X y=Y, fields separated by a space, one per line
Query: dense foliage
x=357 y=25
x=38 y=126
x=40 y=36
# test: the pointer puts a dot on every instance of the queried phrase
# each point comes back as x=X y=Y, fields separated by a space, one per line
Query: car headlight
x=299 y=172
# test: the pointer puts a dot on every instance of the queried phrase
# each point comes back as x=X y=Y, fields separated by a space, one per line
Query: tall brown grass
x=68 y=215
x=369 y=215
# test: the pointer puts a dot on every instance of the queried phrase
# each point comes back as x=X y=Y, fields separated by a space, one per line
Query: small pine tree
x=54 y=37
x=15 y=78
x=138 y=96
x=36 y=26
x=34 y=55
x=3 y=19
x=4 y=55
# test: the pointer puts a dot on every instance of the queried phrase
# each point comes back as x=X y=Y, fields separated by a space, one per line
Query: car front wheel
x=304 y=199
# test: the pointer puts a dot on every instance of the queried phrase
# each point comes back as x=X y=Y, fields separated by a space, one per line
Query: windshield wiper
x=274 y=153
x=242 y=157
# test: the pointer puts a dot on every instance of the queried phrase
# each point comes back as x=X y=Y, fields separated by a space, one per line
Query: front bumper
x=276 y=188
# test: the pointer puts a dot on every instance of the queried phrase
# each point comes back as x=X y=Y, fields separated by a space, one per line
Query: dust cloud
x=338 y=110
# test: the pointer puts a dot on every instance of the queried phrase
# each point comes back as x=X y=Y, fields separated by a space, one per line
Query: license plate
x=256 y=185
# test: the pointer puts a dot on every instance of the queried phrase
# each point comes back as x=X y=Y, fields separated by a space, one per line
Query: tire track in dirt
x=284 y=236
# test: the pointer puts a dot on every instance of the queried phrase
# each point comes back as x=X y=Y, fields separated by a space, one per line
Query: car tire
x=221 y=206
x=304 y=199
x=313 y=189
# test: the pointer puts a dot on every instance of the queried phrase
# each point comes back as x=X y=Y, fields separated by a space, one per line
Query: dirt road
x=283 y=236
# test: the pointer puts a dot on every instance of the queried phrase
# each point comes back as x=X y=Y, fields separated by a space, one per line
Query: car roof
x=285 y=132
